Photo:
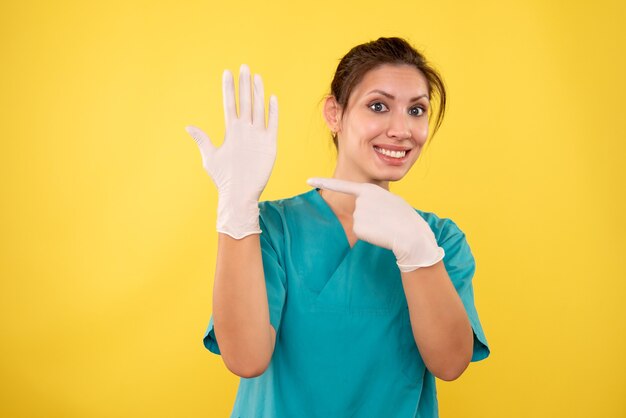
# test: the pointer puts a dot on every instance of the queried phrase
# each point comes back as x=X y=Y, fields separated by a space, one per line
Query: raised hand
x=385 y=219
x=241 y=167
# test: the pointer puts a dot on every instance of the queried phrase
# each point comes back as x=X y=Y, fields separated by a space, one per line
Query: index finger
x=336 y=185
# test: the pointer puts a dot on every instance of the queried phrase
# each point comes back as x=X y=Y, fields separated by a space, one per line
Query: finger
x=228 y=93
x=204 y=143
x=258 y=111
x=342 y=186
x=245 y=99
x=272 y=122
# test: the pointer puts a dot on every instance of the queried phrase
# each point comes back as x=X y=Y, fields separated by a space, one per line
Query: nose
x=399 y=126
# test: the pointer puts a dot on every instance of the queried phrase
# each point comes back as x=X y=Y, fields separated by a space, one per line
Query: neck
x=345 y=170
x=344 y=203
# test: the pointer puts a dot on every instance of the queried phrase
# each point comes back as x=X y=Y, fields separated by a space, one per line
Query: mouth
x=393 y=157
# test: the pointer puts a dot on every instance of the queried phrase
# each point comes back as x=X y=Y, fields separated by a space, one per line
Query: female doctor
x=343 y=301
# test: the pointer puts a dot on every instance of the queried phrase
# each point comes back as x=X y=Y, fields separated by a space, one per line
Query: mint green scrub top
x=344 y=343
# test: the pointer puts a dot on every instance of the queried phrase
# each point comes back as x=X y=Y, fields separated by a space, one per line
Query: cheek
x=361 y=128
x=420 y=131
x=369 y=128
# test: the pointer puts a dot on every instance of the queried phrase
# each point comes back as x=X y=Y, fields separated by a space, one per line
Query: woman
x=343 y=301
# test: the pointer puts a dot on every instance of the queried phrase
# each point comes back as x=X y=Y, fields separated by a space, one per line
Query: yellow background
x=108 y=218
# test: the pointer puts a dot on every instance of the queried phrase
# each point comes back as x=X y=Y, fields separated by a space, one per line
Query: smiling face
x=384 y=126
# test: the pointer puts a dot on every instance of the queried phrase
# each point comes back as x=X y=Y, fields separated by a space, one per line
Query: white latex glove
x=241 y=167
x=385 y=219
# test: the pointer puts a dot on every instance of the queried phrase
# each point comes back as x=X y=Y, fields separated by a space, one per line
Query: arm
x=441 y=328
x=240 y=169
x=439 y=322
x=240 y=307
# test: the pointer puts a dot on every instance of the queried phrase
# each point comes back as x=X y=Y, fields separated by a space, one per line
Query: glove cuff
x=436 y=257
x=238 y=219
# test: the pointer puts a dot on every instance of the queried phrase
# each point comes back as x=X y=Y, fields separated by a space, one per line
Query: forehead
x=395 y=79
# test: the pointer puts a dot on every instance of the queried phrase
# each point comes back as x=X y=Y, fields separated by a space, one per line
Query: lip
x=393 y=161
x=392 y=147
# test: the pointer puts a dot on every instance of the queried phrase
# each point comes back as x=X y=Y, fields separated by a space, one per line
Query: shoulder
x=445 y=229
x=279 y=205
x=274 y=214
x=451 y=238
x=273 y=210
x=458 y=259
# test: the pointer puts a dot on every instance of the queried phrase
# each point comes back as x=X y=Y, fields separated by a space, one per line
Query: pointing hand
x=385 y=219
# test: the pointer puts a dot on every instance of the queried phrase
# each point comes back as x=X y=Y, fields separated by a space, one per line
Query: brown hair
x=365 y=57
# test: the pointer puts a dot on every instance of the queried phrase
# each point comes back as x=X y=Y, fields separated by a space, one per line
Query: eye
x=416 y=111
x=377 y=106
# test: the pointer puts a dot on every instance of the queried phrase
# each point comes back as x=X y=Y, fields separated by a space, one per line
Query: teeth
x=394 y=154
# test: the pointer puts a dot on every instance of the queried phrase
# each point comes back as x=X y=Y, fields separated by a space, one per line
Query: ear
x=332 y=113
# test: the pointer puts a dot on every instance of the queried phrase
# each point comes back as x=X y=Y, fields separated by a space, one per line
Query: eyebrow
x=392 y=97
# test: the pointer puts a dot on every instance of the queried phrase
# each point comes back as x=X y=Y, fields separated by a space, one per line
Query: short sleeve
x=275 y=277
x=460 y=264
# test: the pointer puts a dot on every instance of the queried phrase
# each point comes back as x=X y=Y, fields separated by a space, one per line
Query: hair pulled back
x=368 y=56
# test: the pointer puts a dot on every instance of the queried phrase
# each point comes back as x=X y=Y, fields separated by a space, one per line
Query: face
x=384 y=125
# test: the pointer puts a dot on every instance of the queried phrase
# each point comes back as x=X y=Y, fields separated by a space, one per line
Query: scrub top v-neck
x=337 y=217
x=344 y=343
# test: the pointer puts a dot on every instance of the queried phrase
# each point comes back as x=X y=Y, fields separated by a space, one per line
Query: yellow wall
x=108 y=219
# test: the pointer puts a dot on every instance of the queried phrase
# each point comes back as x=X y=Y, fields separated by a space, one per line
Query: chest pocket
x=366 y=280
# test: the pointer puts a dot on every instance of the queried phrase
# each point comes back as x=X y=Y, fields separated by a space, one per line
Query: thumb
x=204 y=143
x=342 y=186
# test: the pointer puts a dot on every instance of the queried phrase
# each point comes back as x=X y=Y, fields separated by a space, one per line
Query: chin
x=395 y=178
x=391 y=173
x=390 y=177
